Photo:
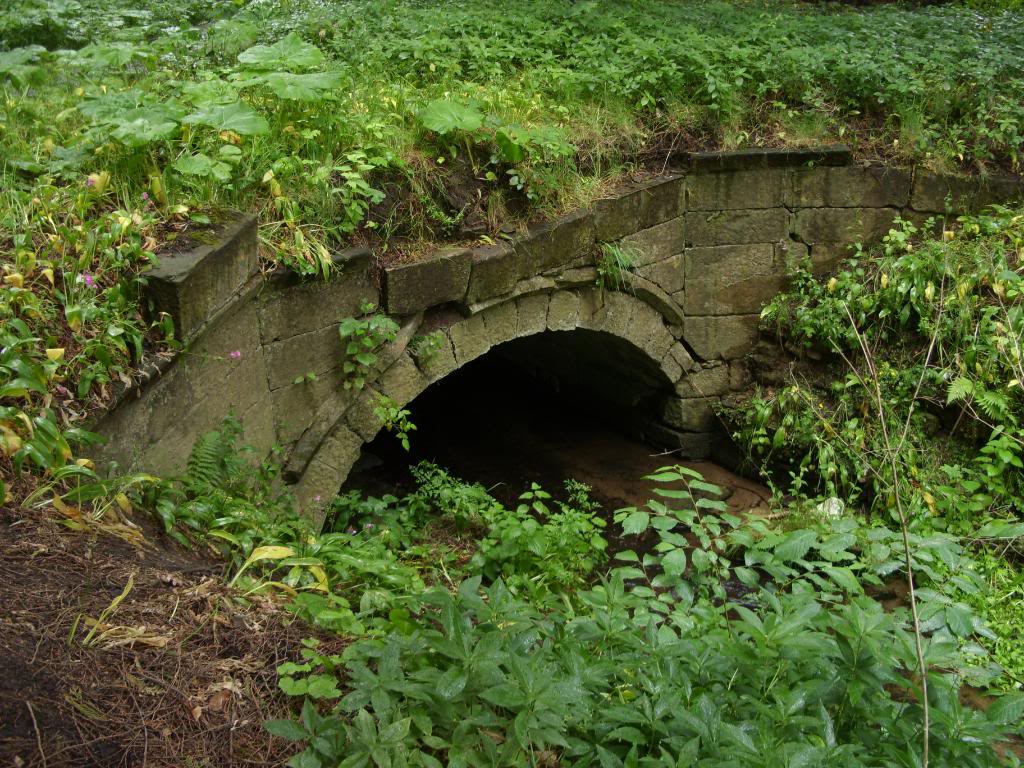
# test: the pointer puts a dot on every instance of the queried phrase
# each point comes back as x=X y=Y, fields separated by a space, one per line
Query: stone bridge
x=709 y=245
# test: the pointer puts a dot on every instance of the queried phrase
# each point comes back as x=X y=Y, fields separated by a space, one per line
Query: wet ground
x=491 y=424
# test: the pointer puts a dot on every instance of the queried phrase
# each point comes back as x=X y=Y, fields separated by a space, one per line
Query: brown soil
x=181 y=673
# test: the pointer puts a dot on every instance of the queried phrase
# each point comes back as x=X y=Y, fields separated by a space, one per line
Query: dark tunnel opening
x=541 y=409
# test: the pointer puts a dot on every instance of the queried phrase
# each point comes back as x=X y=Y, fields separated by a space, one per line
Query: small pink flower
x=63 y=390
x=145 y=195
x=90 y=182
x=317 y=498
x=236 y=355
x=88 y=280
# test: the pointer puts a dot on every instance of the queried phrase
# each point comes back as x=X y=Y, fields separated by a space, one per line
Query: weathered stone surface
x=740 y=376
x=493 y=273
x=656 y=243
x=721 y=338
x=682 y=356
x=826 y=256
x=532 y=314
x=646 y=329
x=965 y=193
x=316 y=352
x=747 y=159
x=667 y=274
x=843 y=225
x=688 y=445
x=441 y=277
x=642 y=208
x=193 y=285
x=790 y=255
x=438 y=362
x=403 y=381
x=709 y=381
x=554 y=244
x=695 y=414
x=861 y=186
x=563 y=311
x=763 y=188
x=308 y=415
x=730 y=279
x=649 y=293
x=615 y=315
x=469 y=339
x=501 y=323
x=577 y=277
x=360 y=416
x=290 y=305
x=765 y=225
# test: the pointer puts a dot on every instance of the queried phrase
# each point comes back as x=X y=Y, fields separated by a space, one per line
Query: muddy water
x=485 y=424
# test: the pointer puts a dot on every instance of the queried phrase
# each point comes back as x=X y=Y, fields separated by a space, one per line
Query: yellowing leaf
x=48 y=274
x=15 y=279
x=55 y=354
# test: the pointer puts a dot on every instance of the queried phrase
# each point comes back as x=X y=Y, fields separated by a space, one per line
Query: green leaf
x=443 y=116
x=291 y=52
x=1008 y=709
x=636 y=522
x=286 y=729
x=452 y=683
x=238 y=117
x=674 y=562
x=312 y=86
x=795 y=545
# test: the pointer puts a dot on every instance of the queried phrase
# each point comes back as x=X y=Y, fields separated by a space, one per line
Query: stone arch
x=622 y=315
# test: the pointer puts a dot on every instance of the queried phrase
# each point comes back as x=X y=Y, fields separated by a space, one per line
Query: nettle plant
x=363 y=337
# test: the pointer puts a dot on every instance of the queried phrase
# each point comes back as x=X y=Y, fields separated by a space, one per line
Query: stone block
x=493 y=273
x=761 y=188
x=577 y=277
x=649 y=293
x=403 y=381
x=964 y=193
x=309 y=416
x=843 y=225
x=740 y=376
x=711 y=380
x=721 y=338
x=825 y=257
x=191 y=286
x=469 y=339
x=439 y=362
x=340 y=449
x=501 y=322
x=656 y=243
x=861 y=186
x=683 y=357
x=765 y=225
x=687 y=445
x=291 y=304
x=361 y=417
x=615 y=314
x=731 y=279
x=643 y=207
x=316 y=352
x=695 y=414
x=439 y=278
x=667 y=274
x=555 y=244
x=563 y=311
x=532 y=314
x=748 y=159
x=646 y=330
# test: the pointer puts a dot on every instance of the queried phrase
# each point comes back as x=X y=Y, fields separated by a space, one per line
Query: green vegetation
x=518 y=651
x=918 y=411
x=553 y=632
